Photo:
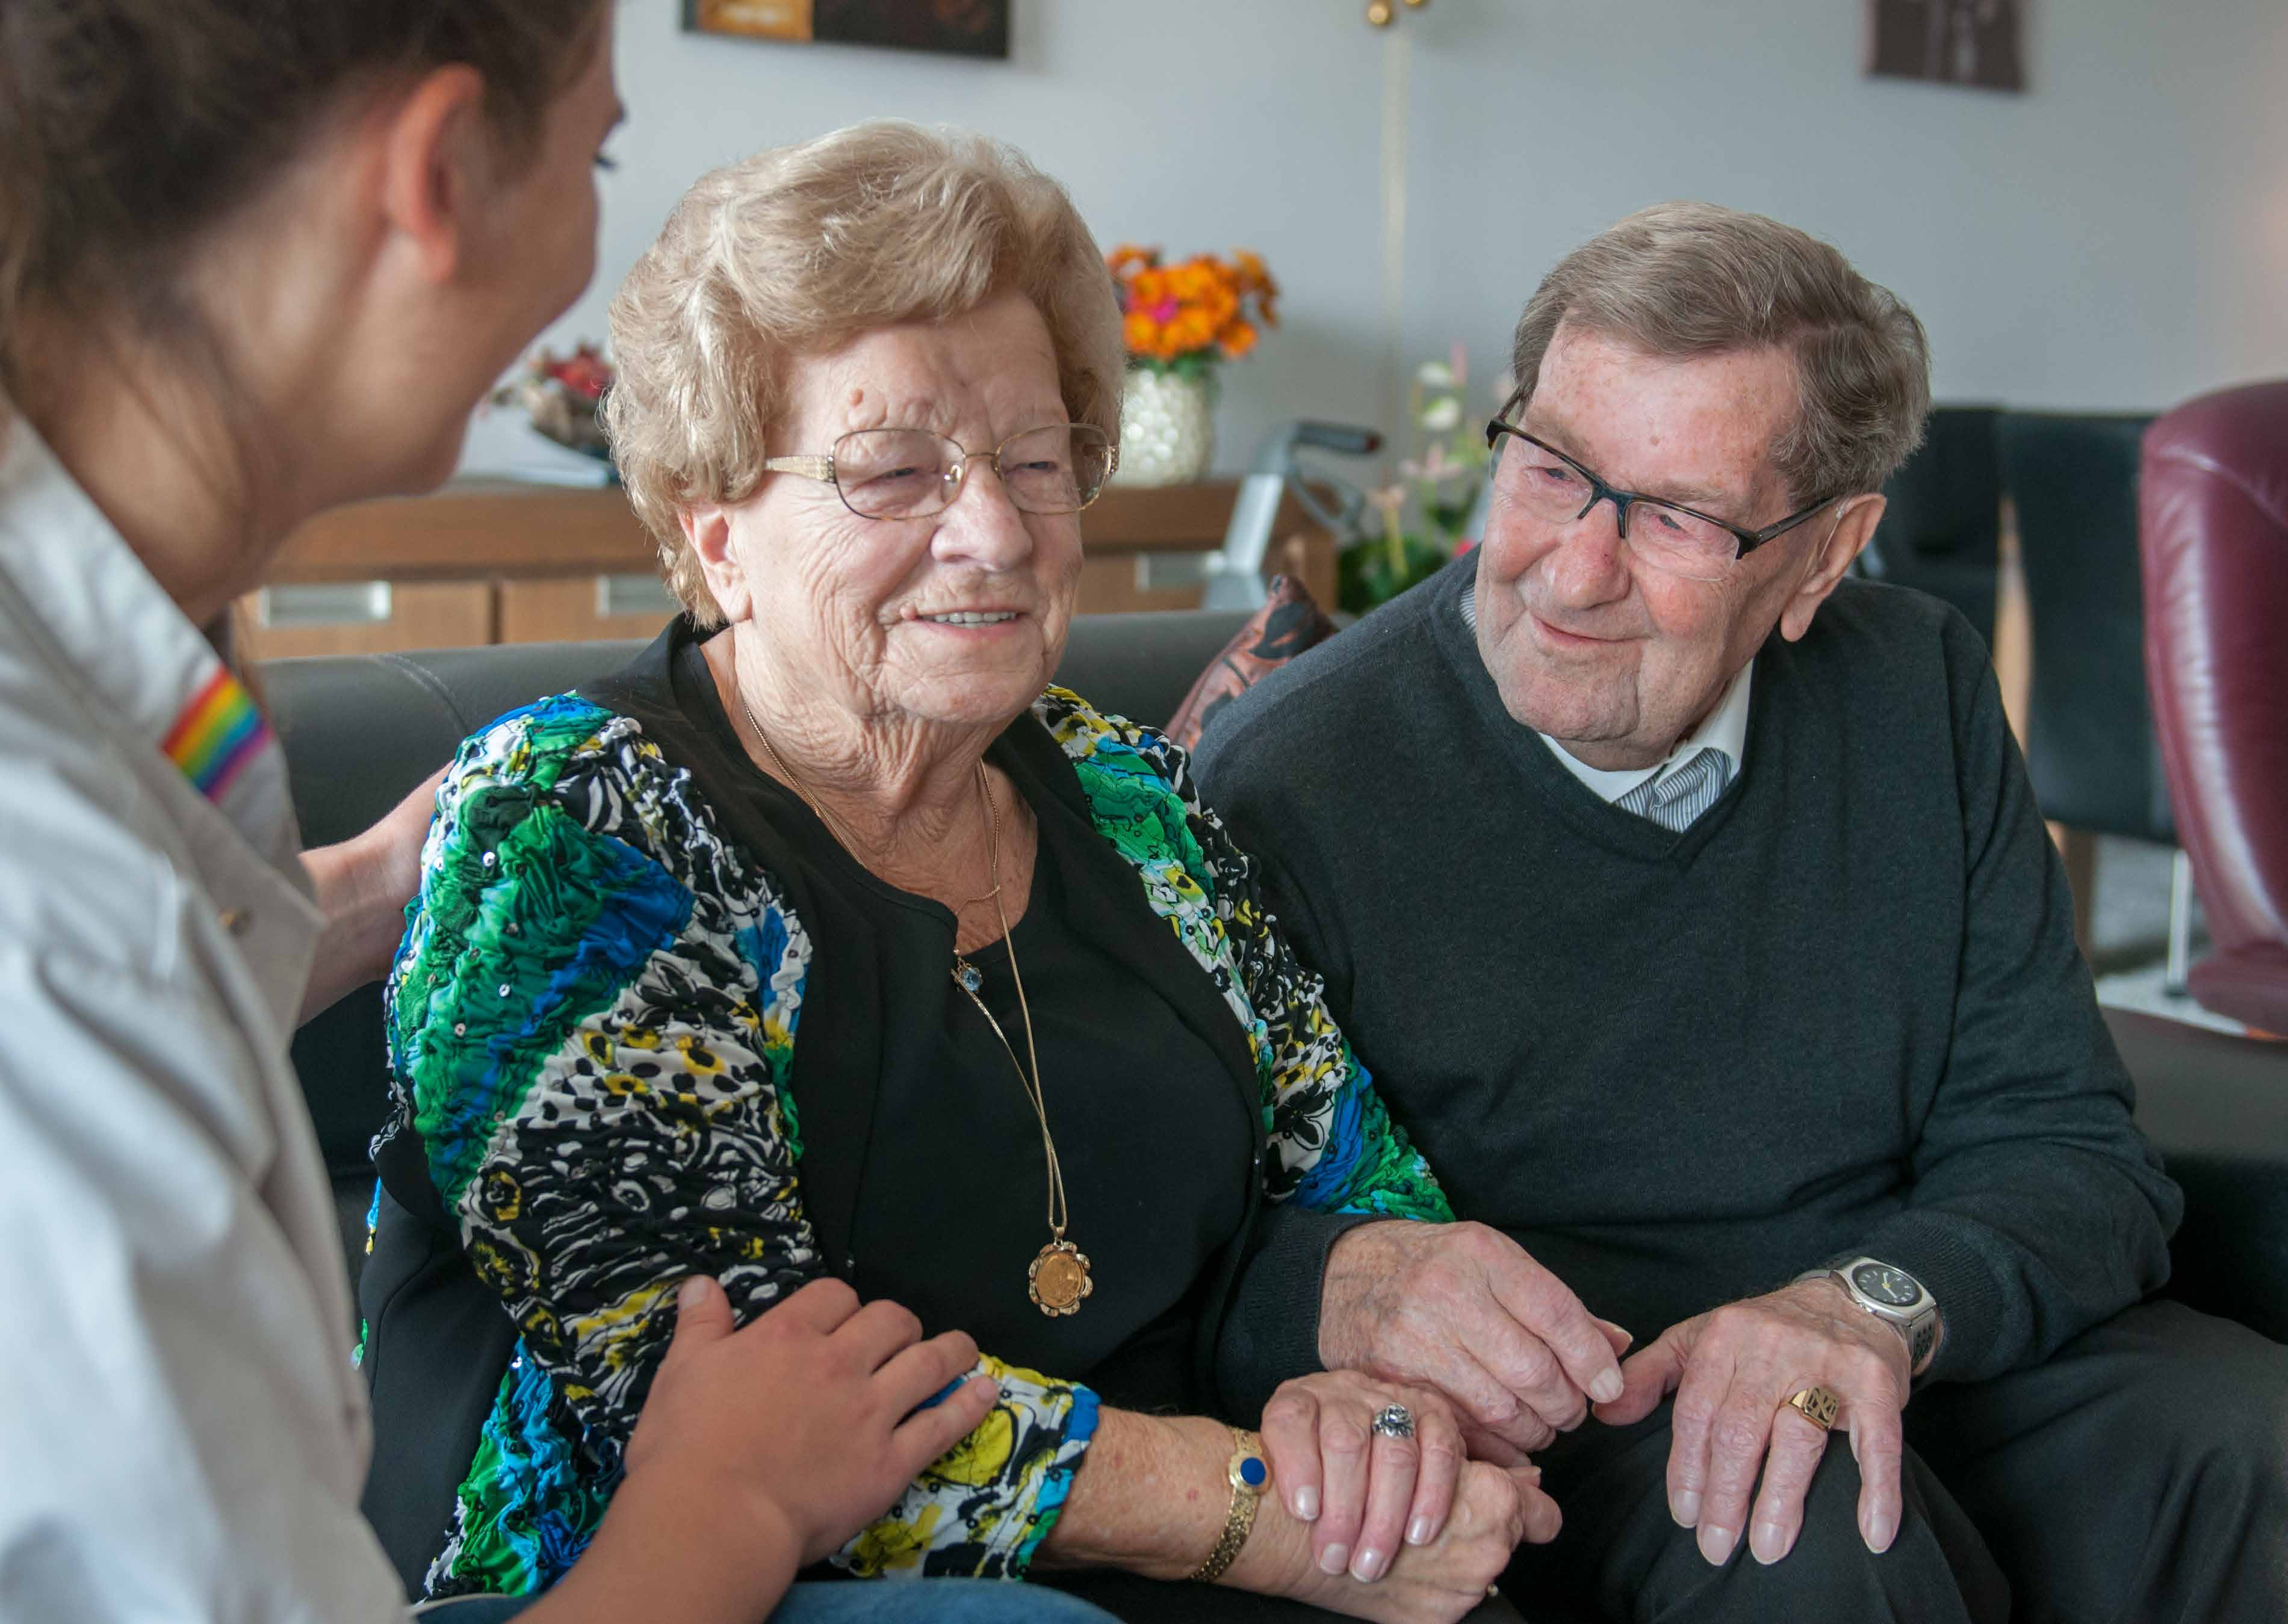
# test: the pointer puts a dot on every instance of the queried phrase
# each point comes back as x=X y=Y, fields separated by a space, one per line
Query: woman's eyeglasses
x=911 y=474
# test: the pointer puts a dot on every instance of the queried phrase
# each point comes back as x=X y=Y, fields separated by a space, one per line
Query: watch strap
x=1922 y=1342
x=1918 y=1329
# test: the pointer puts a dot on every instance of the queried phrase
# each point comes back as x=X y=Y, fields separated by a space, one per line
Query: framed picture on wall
x=961 y=27
x=1954 y=41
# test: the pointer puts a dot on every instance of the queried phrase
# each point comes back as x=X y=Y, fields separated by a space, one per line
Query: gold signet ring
x=1816 y=1405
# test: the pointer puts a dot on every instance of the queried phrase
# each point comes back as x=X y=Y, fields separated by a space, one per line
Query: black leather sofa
x=361 y=732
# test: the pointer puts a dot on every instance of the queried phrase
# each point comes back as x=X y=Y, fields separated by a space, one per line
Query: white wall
x=2115 y=238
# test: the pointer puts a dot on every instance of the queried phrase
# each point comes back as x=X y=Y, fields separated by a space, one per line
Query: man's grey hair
x=1686 y=278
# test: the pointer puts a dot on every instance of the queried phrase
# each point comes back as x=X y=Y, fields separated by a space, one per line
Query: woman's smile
x=966 y=620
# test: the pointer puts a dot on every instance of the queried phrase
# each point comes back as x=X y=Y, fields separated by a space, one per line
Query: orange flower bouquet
x=1184 y=318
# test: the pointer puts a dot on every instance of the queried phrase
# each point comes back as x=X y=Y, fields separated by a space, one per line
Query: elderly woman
x=827 y=938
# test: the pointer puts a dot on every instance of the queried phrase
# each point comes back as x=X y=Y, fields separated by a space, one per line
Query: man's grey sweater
x=1841 y=1013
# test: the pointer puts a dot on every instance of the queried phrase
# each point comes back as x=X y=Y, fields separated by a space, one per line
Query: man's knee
x=2212 y=1397
x=2143 y=1472
x=1936 y=1568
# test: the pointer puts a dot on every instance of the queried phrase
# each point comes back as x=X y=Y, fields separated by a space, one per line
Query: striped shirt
x=1725 y=731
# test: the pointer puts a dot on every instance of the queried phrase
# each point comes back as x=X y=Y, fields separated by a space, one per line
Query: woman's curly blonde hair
x=798 y=249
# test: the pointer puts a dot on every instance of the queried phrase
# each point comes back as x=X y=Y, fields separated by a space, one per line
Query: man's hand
x=1732 y=1371
x=1463 y=1308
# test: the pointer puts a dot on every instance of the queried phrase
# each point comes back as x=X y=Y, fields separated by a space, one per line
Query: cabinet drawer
x=580 y=609
x=1124 y=583
x=363 y=617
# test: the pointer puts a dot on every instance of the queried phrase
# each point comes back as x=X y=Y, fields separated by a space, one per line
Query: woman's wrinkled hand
x=807 y=1418
x=1362 y=1491
x=1494 y=1508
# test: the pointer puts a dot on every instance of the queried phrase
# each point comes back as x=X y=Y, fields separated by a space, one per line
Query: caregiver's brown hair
x=129 y=127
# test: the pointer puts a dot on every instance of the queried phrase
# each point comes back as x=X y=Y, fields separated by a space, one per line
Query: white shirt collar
x=103 y=617
x=1724 y=730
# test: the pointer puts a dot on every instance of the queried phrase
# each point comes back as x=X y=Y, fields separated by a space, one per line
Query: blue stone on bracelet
x=1252 y=1472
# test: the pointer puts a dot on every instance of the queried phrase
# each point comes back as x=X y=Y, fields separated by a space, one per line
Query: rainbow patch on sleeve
x=218 y=732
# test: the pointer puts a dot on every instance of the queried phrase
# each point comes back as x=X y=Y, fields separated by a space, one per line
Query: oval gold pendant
x=1058 y=1278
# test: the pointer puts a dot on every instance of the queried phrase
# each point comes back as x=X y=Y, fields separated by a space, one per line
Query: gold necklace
x=1060 y=1274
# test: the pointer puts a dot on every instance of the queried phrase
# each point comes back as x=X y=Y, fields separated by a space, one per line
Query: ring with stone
x=1394 y=1421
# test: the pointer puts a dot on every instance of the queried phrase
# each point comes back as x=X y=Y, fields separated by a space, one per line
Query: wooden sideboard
x=484 y=562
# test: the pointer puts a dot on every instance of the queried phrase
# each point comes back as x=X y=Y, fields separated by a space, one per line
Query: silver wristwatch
x=1890 y=1292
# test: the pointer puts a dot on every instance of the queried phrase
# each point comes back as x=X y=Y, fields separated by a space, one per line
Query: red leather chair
x=2214 y=541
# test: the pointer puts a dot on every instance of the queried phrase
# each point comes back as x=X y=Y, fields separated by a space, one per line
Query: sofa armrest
x=2231 y=1258
x=2216 y=1107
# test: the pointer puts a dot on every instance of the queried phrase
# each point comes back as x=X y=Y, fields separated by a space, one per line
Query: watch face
x=1893 y=1287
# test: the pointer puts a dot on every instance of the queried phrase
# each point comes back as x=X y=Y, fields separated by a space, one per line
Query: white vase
x=1167 y=427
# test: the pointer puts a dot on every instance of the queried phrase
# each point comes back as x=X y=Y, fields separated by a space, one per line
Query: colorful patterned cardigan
x=592 y=1023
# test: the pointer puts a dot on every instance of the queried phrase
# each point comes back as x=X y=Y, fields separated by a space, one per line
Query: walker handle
x=1344 y=437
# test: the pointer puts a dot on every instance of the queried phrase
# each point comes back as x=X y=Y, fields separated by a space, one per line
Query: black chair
x=1941 y=529
x=2090 y=745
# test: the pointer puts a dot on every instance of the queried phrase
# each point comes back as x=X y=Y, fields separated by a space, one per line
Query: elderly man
x=1716 y=957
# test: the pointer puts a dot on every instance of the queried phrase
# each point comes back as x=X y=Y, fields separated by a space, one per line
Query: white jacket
x=182 y=1435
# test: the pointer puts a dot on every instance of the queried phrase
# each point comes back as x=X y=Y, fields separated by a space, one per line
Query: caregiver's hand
x=812 y=1410
x=762 y=1449
x=362 y=885
x=1463 y=1308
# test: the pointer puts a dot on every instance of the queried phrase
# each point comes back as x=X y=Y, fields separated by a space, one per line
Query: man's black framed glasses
x=1551 y=486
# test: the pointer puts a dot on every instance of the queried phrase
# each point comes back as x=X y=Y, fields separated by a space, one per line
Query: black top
x=1841 y=1012
x=916 y=1141
x=1154 y=1194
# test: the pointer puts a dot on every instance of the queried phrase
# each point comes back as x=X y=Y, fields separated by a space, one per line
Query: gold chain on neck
x=1060 y=1275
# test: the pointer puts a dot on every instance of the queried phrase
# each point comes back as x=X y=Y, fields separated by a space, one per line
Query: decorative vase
x=1167 y=427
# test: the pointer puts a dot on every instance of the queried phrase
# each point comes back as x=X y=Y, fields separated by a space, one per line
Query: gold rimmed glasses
x=911 y=474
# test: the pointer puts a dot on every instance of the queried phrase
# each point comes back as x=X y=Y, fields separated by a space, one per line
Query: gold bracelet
x=1250 y=1475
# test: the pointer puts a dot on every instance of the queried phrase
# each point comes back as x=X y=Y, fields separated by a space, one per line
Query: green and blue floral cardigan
x=592 y=1024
